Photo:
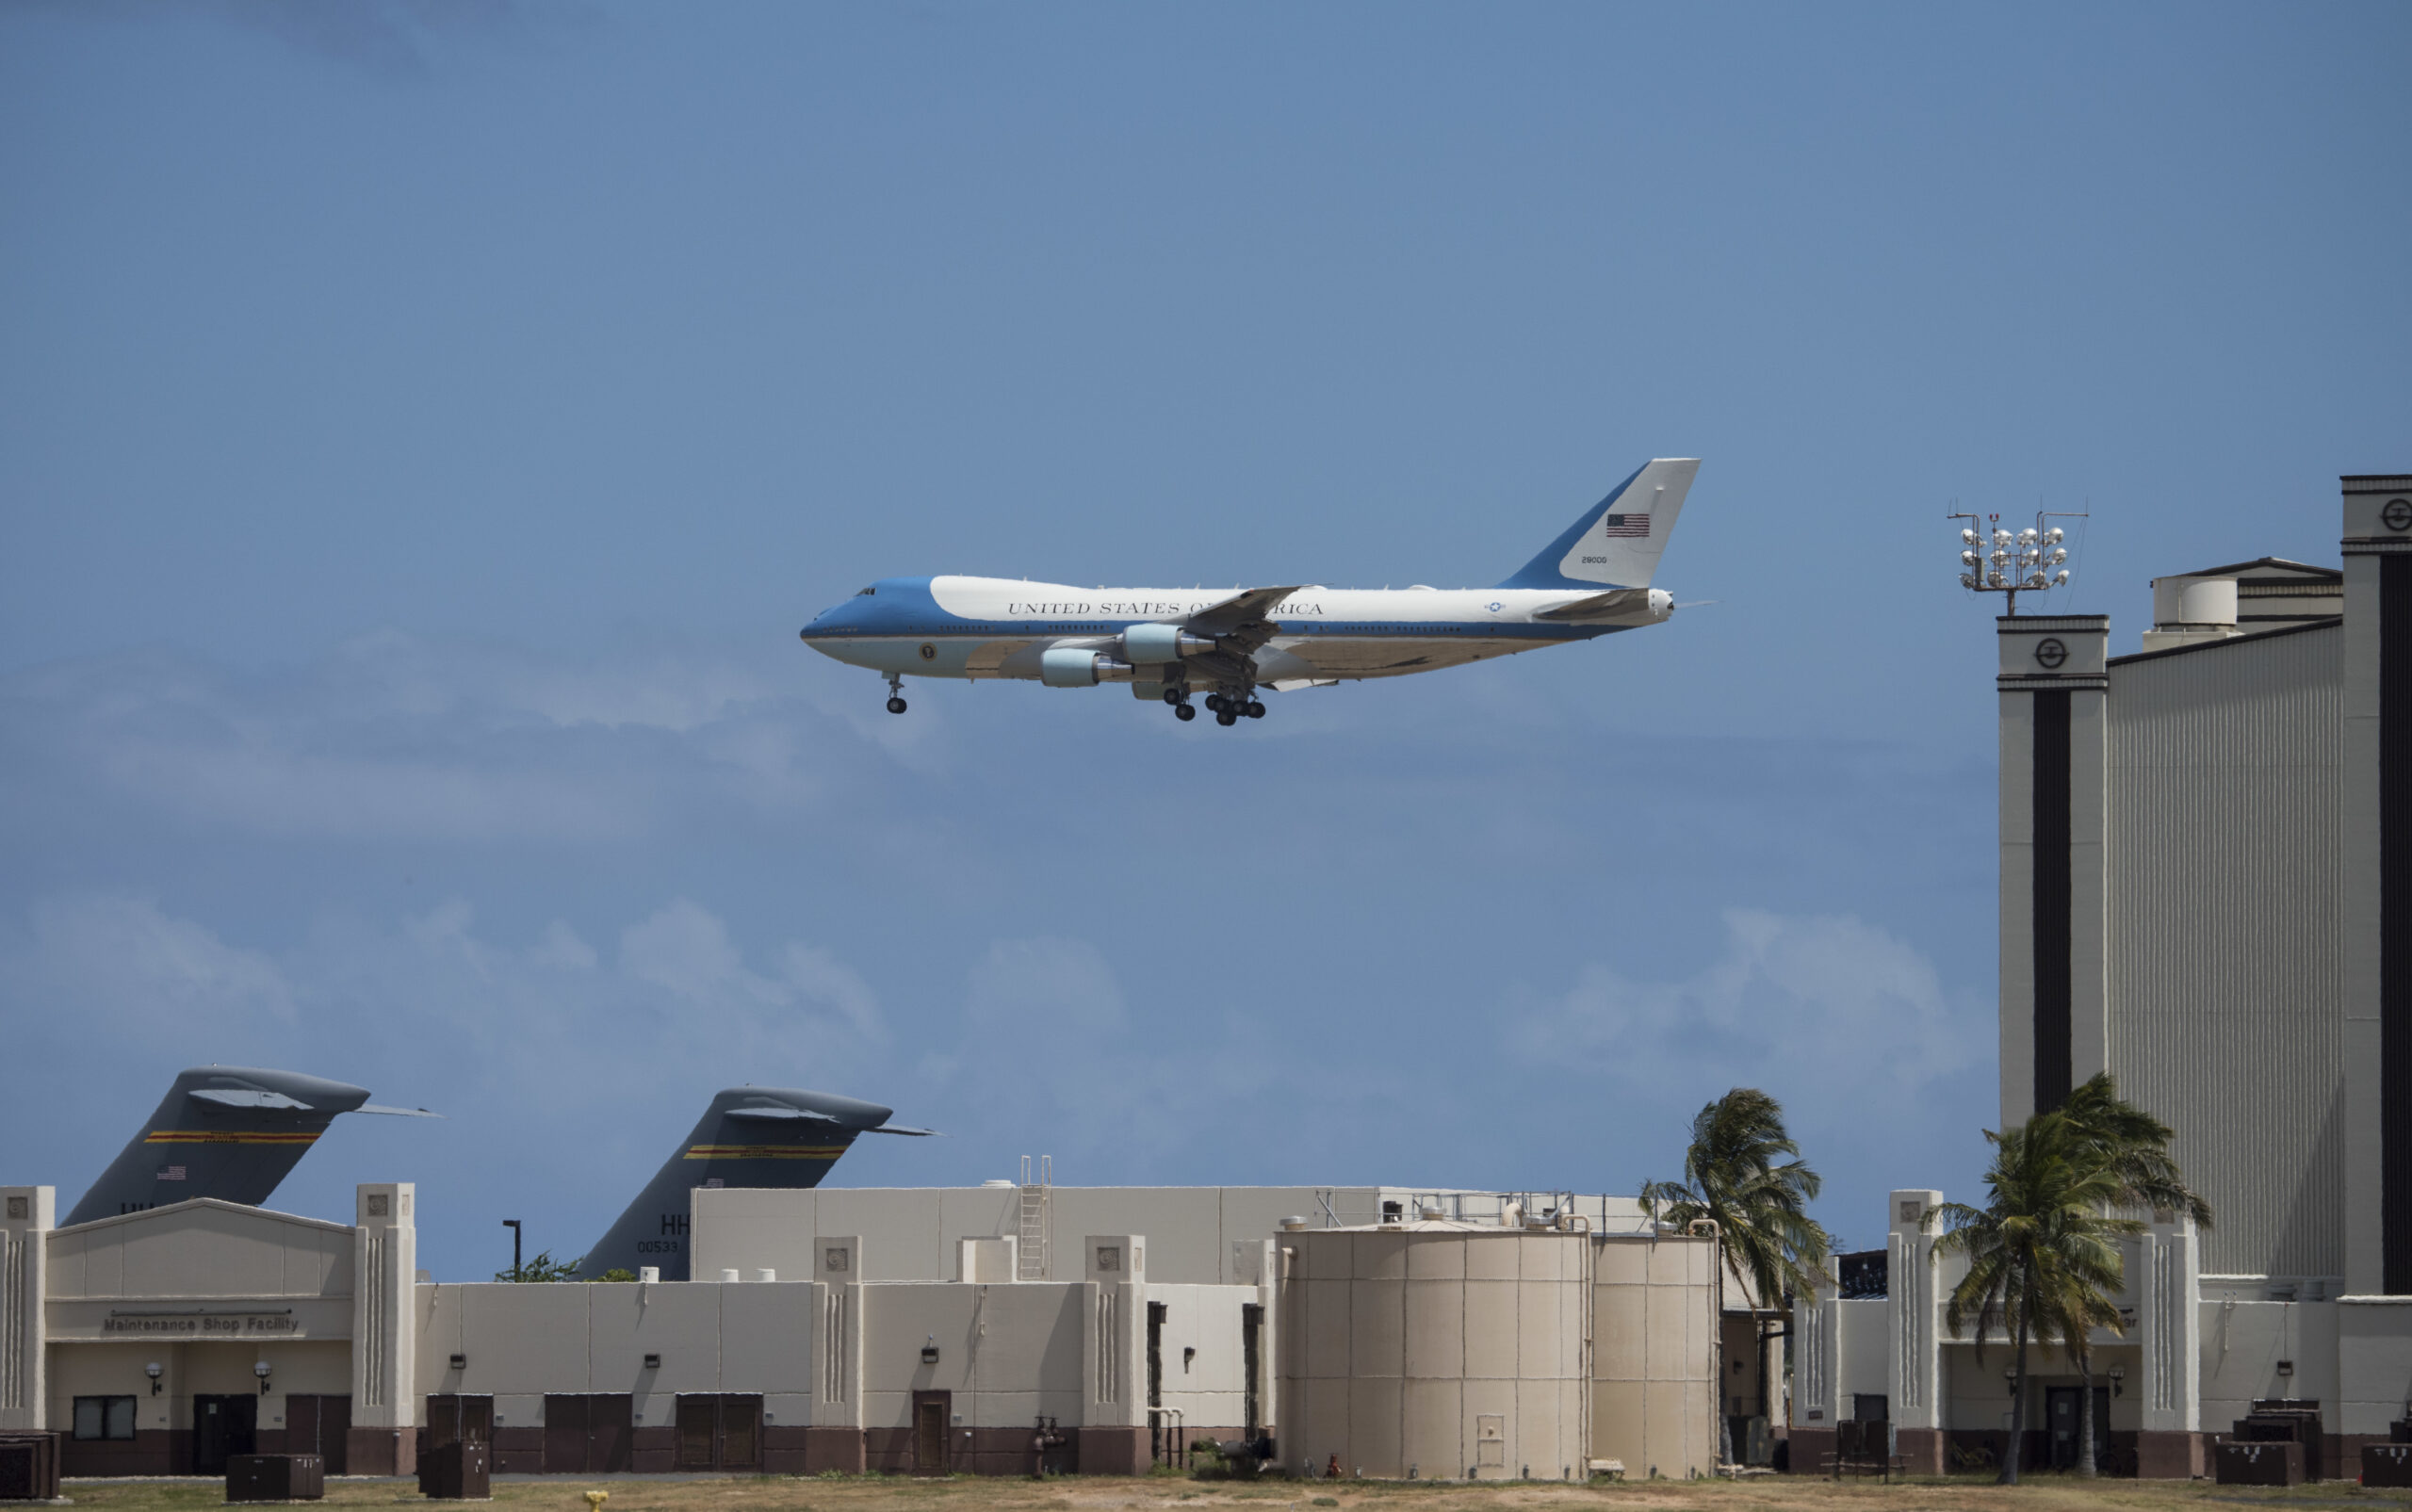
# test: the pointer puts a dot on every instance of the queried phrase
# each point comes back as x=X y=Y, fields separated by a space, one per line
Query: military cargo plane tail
x=749 y=1137
x=226 y=1131
x=1618 y=541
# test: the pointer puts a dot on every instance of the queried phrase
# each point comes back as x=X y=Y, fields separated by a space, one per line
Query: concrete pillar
x=1114 y=1362
x=2168 y=1292
x=1913 y=1316
x=384 y=1331
x=2053 y=682
x=26 y=1217
x=2374 y=926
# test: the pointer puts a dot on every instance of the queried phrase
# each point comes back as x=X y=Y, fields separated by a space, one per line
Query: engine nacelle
x=1152 y=645
x=1066 y=666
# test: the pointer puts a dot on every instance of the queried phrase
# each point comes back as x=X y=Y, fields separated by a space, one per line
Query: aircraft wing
x=245 y=1097
x=1240 y=619
x=1609 y=606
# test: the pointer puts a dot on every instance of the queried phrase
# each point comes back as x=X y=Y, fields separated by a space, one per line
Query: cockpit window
x=868 y=591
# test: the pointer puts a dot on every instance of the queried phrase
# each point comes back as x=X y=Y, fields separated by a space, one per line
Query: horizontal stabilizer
x=781 y=1115
x=396 y=1113
x=900 y=1128
x=1614 y=604
x=247 y=1097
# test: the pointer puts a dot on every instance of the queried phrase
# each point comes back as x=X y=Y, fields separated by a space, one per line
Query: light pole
x=1994 y=560
x=512 y=1224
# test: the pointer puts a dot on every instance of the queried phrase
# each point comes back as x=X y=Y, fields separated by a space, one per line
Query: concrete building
x=926 y=1330
x=2205 y=889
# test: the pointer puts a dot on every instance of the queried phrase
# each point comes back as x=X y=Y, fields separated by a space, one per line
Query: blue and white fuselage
x=1593 y=580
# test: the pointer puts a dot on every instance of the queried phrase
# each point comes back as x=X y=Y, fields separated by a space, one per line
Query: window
x=105 y=1417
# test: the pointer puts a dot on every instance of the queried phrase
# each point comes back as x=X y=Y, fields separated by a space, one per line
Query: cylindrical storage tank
x=2205 y=602
x=1446 y=1351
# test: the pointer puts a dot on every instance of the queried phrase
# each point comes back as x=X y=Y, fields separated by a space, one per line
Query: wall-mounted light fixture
x=459 y=1362
x=2286 y=1367
x=930 y=1351
x=2118 y=1380
x=653 y=1362
x=261 y=1370
x=153 y=1370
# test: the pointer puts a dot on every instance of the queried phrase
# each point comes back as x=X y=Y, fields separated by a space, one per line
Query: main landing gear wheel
x=1255 y=709
x=1215 y=703
x=1174 y=696
x=1183 y=712
x=1224 y=717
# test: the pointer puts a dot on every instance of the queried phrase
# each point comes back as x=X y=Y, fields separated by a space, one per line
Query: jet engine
x=1150 y=645
x=1065 y=666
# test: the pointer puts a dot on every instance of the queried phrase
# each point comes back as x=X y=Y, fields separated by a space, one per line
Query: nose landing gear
x=896 y=692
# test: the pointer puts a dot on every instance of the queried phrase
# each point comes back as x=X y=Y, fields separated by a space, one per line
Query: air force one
x=1166 y=642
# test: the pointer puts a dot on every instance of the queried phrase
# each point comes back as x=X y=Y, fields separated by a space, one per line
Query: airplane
x=751 y=1137
x=226 y=1131
x=1593 y=580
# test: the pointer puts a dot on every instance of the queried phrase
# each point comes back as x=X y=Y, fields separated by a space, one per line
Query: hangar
x=989 y=1329
x=2206 y=861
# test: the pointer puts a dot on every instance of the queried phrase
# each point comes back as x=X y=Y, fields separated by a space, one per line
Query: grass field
x=776 y=1493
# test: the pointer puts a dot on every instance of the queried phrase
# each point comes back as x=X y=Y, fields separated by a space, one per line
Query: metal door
x=699 y=1425
x=223 y=1426
x=320 y=1426
x=565 y=1434
x=741 y=1433
x=466 y=1420
x=2061 y=1422
x=933 y=1414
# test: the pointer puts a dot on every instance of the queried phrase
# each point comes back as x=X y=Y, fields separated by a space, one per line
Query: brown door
x=565 y=1434
x=698 y=1426
x=320 y=1425
x=741 y=1433
x=933 y=1412
x=611 y=1426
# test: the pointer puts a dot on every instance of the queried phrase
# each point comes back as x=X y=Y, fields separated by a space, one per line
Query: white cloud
x=1803 y=1000
x=1044 y=986
x=120 y=960
x=832 y=986
x=686 y=950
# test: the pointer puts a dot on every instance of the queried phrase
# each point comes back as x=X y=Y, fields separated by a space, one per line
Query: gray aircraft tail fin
x=749 y=1137
x=226 y=1131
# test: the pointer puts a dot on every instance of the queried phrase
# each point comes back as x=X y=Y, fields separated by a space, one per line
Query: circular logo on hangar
x=2396 y=515
x=929 y=652
x=2050 y=653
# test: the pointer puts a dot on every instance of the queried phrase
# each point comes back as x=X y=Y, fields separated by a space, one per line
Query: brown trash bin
x=275 y=1478
x=457 y=1471
x=28 y=1466
x=2387 y=1464
x=2265 y=1463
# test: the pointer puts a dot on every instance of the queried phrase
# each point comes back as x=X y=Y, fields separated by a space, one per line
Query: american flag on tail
x=1626 y=526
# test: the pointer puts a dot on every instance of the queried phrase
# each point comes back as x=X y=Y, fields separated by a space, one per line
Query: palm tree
x=1736 y=1174
x=2043 y=1252
x=2133 y=1147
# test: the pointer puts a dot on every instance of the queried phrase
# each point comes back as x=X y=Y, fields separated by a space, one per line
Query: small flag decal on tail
x=1625 y=527
x=171 y=1173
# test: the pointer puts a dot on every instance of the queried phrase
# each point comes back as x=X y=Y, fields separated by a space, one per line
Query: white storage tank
x=1438 y=1350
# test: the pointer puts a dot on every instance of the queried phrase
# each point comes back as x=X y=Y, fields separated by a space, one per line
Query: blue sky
x=423 y=427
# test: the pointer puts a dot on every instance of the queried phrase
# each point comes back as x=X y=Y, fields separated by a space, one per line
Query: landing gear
x=1229 y=710
x=896 y=706
x=896 y=692
x=1183 y=712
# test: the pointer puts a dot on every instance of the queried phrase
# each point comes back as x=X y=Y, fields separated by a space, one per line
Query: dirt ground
x=779 y=1494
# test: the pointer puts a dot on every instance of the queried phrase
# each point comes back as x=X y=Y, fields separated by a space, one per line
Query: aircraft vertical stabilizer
x=226 y=1131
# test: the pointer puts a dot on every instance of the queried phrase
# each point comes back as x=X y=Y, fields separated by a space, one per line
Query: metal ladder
x=1030 y=1247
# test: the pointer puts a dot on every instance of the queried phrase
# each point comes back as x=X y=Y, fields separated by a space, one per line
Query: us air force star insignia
x=2049 y=653
x=1493 y=606
x=2397 y=515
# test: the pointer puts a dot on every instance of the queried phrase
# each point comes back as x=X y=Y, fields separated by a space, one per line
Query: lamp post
x=512 y=1224
x=1994 y=560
